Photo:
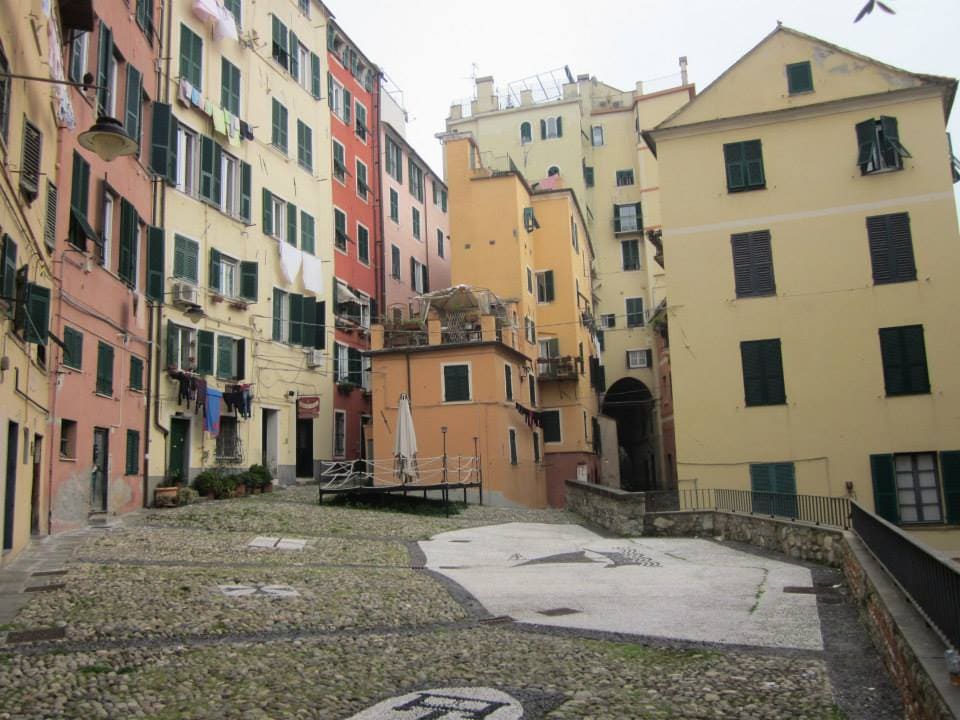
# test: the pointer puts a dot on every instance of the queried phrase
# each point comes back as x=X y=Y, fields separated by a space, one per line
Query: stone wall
x=613 y=509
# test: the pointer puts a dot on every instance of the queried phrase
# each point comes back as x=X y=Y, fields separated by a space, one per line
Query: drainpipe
x=381 y=279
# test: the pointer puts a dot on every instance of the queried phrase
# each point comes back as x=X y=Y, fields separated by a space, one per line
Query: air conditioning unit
x=186 y=295
x=314 y=358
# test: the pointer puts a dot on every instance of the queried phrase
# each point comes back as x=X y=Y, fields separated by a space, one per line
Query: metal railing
x=557 y=368
x=930 y=582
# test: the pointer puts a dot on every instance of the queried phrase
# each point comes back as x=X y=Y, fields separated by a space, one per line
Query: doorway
x=101 y=466
x=10 y=495
x=631 y=404
x=305 y=448
x=269 y=438
x=35 y=489
x=178 y=467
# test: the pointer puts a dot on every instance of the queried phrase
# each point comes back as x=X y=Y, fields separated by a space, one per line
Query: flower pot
x=166 y=497
x=268 y=487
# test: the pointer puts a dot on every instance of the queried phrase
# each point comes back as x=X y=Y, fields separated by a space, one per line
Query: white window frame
x=229 y=184
x=339 y=420
x=188 y=161
x=366 y=181
x=228 y=261
x=278 y=209
x=608 y=321
x=616 y=177
x=540 y=281
x=529 y=139
x=635 y=226
x=593 y=135
x=531 y=286
x=551 y=126
x=529 y=329
x=183 y=361
x=303 y=66
x=418 y=275
x=113 y=67
x=443 y=384
x=109 y=206
x=364 y=309
x=641 y=362
x=216 y=354
x=343 y=362
x=336 y=99
x=559 y=412
x=84 y=41
x=366 y=371
x=917 y=490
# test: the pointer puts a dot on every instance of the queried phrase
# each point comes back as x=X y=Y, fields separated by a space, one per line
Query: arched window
x=553 y=170
x=551 y=127
x=526 y=133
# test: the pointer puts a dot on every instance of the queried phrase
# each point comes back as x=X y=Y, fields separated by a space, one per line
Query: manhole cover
x=44 y=588
x=554 y=612
x=481 y=703
x=22 y=636
x=258 y=590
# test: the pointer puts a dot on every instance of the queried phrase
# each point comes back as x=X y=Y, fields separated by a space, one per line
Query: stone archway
x=631 y=404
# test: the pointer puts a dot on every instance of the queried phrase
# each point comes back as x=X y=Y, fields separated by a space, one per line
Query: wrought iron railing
x=930 y=582
x=557 y=368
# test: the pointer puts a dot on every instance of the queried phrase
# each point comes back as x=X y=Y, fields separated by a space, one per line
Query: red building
x=353 y=95
x=100 y=305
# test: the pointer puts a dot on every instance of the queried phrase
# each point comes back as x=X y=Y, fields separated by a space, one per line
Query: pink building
x=416 y=224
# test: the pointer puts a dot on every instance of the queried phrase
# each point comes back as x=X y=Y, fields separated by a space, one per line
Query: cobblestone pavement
x=351 y=620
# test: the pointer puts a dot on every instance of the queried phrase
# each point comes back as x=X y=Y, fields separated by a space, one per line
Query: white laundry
x=312 y=274
x=290 y=259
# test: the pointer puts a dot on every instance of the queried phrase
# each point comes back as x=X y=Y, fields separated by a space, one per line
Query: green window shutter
x=229 y=86
x=133 y=453
x=225 y=348
x=394 y=205
x=775 y=488
x=363 y=245
x=280 y=45
x=296 y=319
x=131 y=121
x=309 y=322
x=892 y=150
x=315 y=75
x=329 y=89
x=550 y=421
x=866 y=141
x=171 y=344
x=904 y=357
x=204 y=352
x=191 y=57
x=752 y=263
x=248 y=280
x=267 y=212
x=104 y=54
x=277 y=135
x=543 y=129
x=186 y=259
x=214 y=276
x=207 y=169
x=240 y=351
x=307 y=233
x=292 y=224
x=217 y=173
x=38 y=314
x=155 y=264
x=295 y=55
x=762 y=372
x=321 y=338
x=128 y=240
x=885 y=488
x=246 y=192
x=559 y=126
x=799 y=78
x=733 y=157
x=753 y=159
x=950 y=473
x=73 y=348
x=508 y=381
x=347 y=106
x=891 y=248
x=548 y=283
x=163 y=143
x=136 y=373
x=104 y=369
x=278 y=296
x=304 y=145
x=456 y=382
x=80 y=187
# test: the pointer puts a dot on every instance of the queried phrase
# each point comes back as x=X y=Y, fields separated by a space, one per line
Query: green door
x=179 y=465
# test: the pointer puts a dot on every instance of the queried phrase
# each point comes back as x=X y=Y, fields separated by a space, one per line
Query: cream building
x=242 y=190
x=587 y=133
x=810 y=234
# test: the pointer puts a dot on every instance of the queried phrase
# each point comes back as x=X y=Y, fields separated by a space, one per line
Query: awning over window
x=344 y=295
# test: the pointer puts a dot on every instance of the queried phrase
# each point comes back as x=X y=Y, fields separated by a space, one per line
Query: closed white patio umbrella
x=405 y=443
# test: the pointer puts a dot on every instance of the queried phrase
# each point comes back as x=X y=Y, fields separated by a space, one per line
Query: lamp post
x=443 y=429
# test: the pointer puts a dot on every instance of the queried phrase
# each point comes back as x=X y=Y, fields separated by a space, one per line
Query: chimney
x=526 y=97
x=486 y=100
x=683 y=70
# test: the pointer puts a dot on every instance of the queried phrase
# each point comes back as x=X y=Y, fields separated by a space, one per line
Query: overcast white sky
x=429 y=47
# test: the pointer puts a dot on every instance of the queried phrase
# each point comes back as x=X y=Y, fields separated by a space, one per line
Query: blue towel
x=211 y=417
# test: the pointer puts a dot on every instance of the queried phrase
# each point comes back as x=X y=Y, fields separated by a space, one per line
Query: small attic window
x=799 y=78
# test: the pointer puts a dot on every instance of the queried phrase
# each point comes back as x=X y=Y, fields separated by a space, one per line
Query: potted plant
x=345 y=387
x=166 y=494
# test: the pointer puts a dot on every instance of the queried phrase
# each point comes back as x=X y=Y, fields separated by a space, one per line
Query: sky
x=431 y=49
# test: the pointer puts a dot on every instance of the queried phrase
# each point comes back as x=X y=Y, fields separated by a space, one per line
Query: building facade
x=353 y=94
x=810 y=235
x=587 y=133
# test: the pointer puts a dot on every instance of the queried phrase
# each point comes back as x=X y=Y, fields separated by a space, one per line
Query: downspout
x=378 y=206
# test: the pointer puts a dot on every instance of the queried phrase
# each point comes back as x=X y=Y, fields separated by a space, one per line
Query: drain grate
x=461 y=541
x=496 y=620
x=22 y=636
x=45 y=588
x=48 y=573
x=555 y=612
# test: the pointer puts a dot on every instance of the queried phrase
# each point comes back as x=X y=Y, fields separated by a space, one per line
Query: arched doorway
x=630 y=403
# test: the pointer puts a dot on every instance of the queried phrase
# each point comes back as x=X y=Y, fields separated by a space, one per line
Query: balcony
x=557 y=368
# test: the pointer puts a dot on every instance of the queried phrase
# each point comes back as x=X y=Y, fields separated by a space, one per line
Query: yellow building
x=30 y=112
x=241 y=138
x=587 y=133
x=810 y=234
x=530 y=348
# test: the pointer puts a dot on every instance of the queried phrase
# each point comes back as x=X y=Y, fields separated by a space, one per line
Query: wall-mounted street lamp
x=106 y=138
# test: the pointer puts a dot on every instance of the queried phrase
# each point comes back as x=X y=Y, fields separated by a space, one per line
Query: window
x=532 y=387
x=416 y=179
x=72 y=348
x=366 y=372
x=229 y=360
x=186 y=258
x=608 y=321
x=188 y=161
x=107 y=68
x=456 y=383
x=443 y=200
x=774 y=489
x=744 y=162
x=136 y=373
x=799 y=78
x=301 y=69
x=638 y=359
x=279 y=47
x=551 y=127
x=340 y=229
x=529 y=280
x=134 y=104
x=395 y=262
x=536 y=447
x=553 y=171
x=128 y=262
x=416 y=222
x=526 y=133
x=340 y=99
x=224 y=274
x=79 y=228
x=630 y=254
x=635 y=312
x=68 y=439
x=191 y=56
x=229 y=199
x=574 y=235
x=918 y=492
x=363 y=244
x=512 y=437
x=104 y=369
x=308 y=233
x=394 y=160
x=304 y=6
x=550 y=422
x=79 y=47
x=132 y=464
x=180 y=342
x=394 y=205
x=227 y=448
x=229 y=87
x=275 y=217
x=545 y=291
x=627 y=218
x=6 y=84
x=436 y=192
x=235 y=8
x=762 y=373
x=879 y=148
x=304 y=146
x=624 y=177
x=362 y=187
x=281 y=316
x=441 y=252
x=597 y=135
x=904 y=356
x=529 y=330
x=30 y=161
x=339 y=162
x=753 y=264
x=891 y=248
x=588 y=176
x=508 y=381
x=341 y=361
x=360 y=124
x=278 y=137
x=8 y=271
x=339 y=433
x=418 y=276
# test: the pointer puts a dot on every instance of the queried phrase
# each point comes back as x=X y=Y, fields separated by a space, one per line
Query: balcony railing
x=405 y=337
x=557 y=368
